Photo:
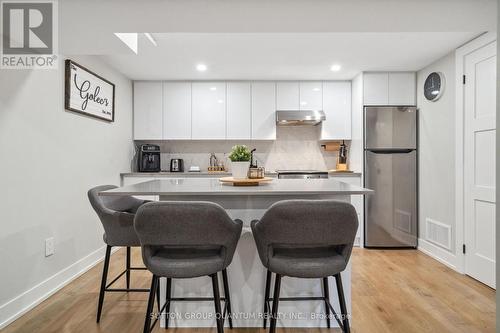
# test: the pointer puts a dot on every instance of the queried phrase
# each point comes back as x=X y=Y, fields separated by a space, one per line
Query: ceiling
x=282 y=56
x=271 y=39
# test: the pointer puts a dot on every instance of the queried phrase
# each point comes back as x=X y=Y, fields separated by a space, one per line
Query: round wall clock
x=434 y=86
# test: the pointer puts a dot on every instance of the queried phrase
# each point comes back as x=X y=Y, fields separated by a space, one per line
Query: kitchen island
x=246 y=273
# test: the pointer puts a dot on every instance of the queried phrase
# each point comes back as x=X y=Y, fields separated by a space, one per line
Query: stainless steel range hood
x=302 y=117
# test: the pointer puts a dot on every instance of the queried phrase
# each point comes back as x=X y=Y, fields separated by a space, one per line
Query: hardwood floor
x=393 y=291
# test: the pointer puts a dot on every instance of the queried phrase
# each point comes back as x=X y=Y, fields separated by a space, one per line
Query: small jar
x=256 y=173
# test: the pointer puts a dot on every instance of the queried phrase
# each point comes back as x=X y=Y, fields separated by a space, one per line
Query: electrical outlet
x=49 y=247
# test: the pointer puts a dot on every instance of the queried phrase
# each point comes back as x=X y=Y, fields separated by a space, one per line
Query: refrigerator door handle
x=391 y=151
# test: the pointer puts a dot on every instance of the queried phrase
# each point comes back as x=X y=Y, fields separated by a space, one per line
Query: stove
x=301 y=174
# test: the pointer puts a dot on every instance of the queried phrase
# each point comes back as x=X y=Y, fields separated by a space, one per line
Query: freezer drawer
x=391 y=212
x=390 y=127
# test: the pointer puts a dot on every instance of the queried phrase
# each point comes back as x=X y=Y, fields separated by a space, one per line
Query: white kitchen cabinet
x=337 y=108
x=239 y=113
x=358 y=202
x=402 y=88
x=176 y=110
x=393 y=88
x=376 y=88
x=263 y=111
x=209 y=111
x=287 y=95
x=311 y=95
x=148 y=114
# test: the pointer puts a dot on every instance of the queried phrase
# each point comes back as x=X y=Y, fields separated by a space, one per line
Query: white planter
x=240 y=169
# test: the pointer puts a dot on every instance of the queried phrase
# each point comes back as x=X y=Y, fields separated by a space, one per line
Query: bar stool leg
x=218 y=312
x=228 y=297
x=103 y=282
x=127 y=274
x=266 y=297
x=343 y=307
x=326 y=294
x=151 y=301
x=276 y=299
x=167 y=299
x=158 y=297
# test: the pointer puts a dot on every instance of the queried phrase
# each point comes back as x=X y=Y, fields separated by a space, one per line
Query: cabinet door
x=148 y=111
x=263 y=111
x=402 y=88
x=376 y=88
x=287 y=95
x=311 y=95
x=239 y=116
x=209 y=110
x=176 y=110
x=337 y=108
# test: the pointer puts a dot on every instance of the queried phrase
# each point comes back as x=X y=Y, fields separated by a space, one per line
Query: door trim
x=460 y=54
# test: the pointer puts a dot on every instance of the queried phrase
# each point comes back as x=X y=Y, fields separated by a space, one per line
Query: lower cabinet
x=358 y=202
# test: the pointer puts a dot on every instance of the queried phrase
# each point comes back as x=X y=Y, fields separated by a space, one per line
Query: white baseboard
x=26 y=301
x=438 y=253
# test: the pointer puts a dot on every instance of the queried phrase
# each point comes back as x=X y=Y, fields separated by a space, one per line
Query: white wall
x=437 y=155
x=49 y=159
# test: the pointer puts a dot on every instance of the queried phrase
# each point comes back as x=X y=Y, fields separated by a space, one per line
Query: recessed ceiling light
x=201 y=67
x=151 y=39
x=220 y=101
x=303 y=103
x=335 y=68
x=213 y=88
x=316 y=89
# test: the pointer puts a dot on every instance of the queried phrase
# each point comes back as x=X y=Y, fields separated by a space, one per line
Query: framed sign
x=88 y=93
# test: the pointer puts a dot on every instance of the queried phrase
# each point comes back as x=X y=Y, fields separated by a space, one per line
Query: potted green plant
x=240 y=161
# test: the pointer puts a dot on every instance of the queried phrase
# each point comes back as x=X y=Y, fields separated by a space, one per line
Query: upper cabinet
x=337 y=108
x=209 y=111
x=176 y=110
x=148 y=115
x=394 y=88
x=287 y=95
x=402 y=88
x=244 y=110
x=238 y=111
x=311 y=95
x=263 y=111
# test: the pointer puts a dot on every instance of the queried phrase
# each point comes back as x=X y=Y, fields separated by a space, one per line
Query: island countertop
x=210 y=186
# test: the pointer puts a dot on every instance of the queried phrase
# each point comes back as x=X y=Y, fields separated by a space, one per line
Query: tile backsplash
x=294 y=148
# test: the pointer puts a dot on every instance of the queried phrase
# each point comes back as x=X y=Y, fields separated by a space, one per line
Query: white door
x=239 y=113
x=209 y=111
x=402 y=88
x=337 y=107
x=479 y=166
x=287 y=95
x=263 y=111
x=311 y=95
x=176 y=110
x=148 y=115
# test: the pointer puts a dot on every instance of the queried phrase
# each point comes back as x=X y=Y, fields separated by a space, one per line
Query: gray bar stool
x=117 y=217
x=306 y=239
x=186 y=240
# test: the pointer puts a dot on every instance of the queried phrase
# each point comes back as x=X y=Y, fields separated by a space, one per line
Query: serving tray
x=244 y=182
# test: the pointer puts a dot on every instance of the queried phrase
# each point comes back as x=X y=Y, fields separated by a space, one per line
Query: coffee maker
x=149 y=158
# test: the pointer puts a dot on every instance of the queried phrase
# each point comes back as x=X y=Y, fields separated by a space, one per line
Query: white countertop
x=211 y=186
x=216 y=174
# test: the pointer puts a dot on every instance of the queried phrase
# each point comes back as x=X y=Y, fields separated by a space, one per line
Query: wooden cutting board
x=244 y=182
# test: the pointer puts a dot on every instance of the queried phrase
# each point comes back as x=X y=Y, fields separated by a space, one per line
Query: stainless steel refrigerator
x=391 y=171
